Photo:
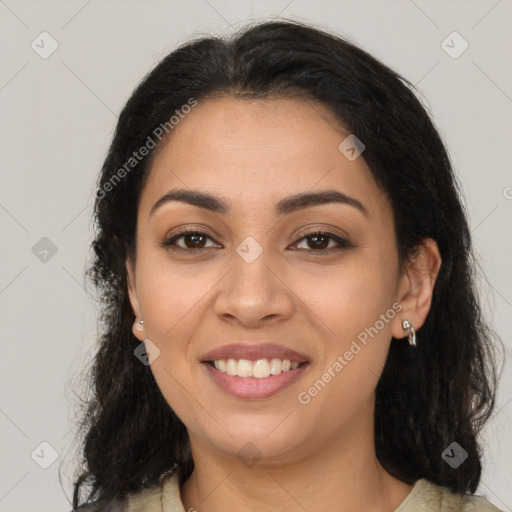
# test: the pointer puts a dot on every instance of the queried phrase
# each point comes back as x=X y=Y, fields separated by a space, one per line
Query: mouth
x=259 y=369
x=254 y=371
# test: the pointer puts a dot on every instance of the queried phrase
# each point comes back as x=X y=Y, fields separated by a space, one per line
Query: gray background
x=58 y=115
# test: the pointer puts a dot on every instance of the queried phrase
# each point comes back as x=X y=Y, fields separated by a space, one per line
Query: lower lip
x=250 y=387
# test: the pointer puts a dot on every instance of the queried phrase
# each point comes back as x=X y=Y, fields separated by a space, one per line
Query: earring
x=411 y=333
x=139 y=326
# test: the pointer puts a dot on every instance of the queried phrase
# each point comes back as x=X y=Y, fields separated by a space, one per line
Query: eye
x=318 y=242
x=192 y=240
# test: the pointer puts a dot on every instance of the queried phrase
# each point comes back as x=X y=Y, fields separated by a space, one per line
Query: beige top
x=424 y=497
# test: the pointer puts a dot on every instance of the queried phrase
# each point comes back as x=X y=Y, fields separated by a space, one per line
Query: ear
x=416 y=287
x=132 y=295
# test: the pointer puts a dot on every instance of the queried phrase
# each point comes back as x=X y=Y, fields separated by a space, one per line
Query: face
x=302 y=294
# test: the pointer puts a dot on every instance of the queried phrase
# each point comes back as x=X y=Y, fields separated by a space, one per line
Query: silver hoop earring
x=411 y=333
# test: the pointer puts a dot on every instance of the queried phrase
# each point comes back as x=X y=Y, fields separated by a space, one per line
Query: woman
x=289 y=315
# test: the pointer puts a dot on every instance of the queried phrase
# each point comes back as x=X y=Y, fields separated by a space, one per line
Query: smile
x=259 y=369
x=262 y=383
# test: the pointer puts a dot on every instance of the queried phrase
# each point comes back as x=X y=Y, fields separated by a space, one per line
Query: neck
x=339 y=473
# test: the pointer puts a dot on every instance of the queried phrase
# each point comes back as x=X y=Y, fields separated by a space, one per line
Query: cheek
x=341 y=300
x=338 y=307
x=172 y=301
x=170 y=295
x=357 y=307
x=350 y=297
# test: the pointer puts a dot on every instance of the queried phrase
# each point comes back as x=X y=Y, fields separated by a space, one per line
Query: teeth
x=231 y=367
x=276 y=366
x=259 y=369
x=244 y=368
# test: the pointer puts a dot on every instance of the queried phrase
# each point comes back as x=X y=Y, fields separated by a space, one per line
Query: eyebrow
x=283 y=207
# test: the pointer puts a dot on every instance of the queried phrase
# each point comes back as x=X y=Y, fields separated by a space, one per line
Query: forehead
x=257 y=152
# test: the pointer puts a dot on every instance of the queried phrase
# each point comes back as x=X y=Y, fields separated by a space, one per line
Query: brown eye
x=318 y=242
x=195 y=241
x=191 y=240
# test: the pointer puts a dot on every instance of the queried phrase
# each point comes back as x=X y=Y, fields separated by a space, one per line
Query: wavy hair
x=427 y=397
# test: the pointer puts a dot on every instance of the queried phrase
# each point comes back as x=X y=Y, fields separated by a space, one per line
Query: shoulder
x=164 y=497
x=146 y=500
x=110 y=506
x=480 y=504
x=149 y=499
x=426 y=496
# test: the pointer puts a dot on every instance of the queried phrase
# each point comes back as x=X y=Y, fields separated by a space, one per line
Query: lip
x=254 y=352
x=252 y=388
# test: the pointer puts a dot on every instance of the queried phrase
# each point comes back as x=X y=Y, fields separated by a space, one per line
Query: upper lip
x=254 y=352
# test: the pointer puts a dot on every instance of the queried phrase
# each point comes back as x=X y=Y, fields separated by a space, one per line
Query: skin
x=253 y=154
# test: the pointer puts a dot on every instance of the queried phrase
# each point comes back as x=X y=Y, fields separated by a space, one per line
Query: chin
x=266 y=438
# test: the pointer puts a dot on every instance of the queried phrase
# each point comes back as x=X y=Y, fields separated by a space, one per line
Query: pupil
x=318 y=241
x=194 y=239
x=320 y=245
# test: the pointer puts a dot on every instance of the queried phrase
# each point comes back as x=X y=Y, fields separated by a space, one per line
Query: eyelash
x=342 y=243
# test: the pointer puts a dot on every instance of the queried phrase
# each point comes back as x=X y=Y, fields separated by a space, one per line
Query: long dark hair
x=427 y=397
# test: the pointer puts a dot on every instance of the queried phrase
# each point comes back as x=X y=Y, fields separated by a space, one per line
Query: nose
x=255 y=292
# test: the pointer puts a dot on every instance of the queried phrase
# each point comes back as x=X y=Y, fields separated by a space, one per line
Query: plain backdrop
x=58 y=112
